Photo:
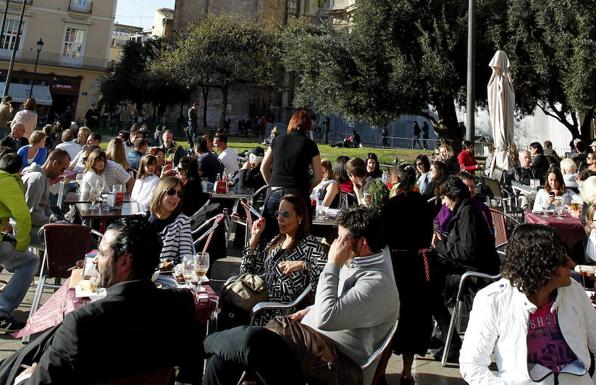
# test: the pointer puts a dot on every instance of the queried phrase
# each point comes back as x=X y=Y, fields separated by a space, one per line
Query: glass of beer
x=201 y=265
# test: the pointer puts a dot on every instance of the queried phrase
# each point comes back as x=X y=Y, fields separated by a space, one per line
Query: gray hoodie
x=37 y=191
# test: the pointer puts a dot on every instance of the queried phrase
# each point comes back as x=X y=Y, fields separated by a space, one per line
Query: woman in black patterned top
x=293 y=260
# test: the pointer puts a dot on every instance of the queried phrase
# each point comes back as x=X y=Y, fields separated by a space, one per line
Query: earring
x=299 y=221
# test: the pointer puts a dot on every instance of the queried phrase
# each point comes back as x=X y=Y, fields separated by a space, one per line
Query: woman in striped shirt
x=172 y=225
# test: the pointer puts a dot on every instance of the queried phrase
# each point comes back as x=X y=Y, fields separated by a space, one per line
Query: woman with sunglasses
x=172 y=225
x=293 y=260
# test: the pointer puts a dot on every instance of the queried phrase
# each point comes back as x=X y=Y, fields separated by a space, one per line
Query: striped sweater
x=175 y=235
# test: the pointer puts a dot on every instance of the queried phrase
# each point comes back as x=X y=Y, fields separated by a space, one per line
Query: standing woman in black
x=287 y=168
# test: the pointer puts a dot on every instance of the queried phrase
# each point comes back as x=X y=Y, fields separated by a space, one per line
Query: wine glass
x=201 y=265
x=93 y=196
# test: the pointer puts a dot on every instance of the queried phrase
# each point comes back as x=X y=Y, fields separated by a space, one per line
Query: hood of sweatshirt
x=33 y=167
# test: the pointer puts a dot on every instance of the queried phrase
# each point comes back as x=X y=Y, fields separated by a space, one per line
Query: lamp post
x=471 y=81
x=39 y=48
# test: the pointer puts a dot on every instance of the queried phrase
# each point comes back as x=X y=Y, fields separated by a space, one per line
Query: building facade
x=163 y=23
x=121 y=34
x=76 y=36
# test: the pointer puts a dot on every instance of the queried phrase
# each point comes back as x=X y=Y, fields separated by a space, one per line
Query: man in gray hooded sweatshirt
x=37 y=187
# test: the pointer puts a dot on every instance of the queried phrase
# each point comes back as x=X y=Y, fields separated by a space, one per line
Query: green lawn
x=386 y=156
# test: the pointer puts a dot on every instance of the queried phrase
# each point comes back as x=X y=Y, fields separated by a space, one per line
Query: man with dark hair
x=549 y=152
x=209 y=164
x=134 y=156
x=370 y=191
x=466 y=159
x=15 y=139
x=92 y=117
x=14 y=256
x=539 y=162
x=36 y=179
x=124 y=332
x=193 y=127
x=356 y=305
x=536 y=323
x=227 y=156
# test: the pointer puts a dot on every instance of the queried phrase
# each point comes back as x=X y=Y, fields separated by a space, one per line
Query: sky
x=140 y=12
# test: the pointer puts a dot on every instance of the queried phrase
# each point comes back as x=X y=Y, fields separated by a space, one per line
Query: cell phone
x=551 y=194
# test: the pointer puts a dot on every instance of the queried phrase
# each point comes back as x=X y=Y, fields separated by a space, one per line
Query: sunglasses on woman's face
x=173 y=191
x=285 y=214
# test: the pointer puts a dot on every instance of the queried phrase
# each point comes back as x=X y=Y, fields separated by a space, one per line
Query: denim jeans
x=23 y=266
x=252 y=348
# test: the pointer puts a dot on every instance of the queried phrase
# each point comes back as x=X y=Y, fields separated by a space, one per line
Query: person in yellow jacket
x=14 y=256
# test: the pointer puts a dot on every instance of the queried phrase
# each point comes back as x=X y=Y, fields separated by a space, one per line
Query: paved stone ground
x=426 y=371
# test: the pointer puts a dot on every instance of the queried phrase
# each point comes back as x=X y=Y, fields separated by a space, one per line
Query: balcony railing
x=80 y=6
x=56 y=59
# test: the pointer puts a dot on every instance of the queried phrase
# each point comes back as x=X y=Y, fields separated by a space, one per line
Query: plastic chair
x=502 y=222
x=64 y=245
x=155 y=377
x=457 y=308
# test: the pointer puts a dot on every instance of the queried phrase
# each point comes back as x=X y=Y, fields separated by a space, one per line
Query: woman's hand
x=288 y=267
x=258 y=227
x=299 y=315
x=436 y=238
x=551 y=199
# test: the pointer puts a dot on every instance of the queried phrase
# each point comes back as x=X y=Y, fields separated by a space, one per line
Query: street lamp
x=39 y=48
x=471 y=73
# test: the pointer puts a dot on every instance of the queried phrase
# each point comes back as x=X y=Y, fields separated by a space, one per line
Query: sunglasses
x=173 y=191
x=285 y=214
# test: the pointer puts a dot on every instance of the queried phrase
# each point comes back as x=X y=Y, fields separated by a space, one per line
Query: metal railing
x=56 y=59
x=80 y=6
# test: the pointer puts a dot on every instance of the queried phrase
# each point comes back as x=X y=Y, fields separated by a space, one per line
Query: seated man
x=140 y=148
x=15 y=139
x=37 y=189
x=524 y=172
x=136 y=328
x=14 y=256
x=536 y=323
x=355 y=307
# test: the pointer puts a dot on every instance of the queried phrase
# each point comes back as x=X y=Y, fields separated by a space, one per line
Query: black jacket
x=523 y=175
x=469 y=243
x=540 y=164
x=136 y=328
x=249 y=178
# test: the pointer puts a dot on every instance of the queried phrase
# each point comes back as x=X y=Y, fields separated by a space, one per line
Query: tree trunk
x=205 y=92
x=224 y=107
x=586 y=125
x=447 y=128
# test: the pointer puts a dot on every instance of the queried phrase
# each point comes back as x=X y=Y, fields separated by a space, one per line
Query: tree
x=397 y=58
x=220 y=52
x=551 y=47
x=130 y=80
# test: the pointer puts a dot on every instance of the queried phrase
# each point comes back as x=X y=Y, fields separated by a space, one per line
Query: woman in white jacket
x=146 y=182
x=537 y=322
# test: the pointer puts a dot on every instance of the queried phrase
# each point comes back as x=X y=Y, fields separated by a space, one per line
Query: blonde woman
x=115 y=152
x=82 y=135
x=569 y=170
x=35 y=151
x=173 y=226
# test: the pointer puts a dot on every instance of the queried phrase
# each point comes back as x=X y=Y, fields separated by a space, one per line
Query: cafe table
x=64 y=300
x=569 y=229
x=128 y=209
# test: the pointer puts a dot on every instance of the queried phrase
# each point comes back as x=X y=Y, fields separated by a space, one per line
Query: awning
x=20 y=92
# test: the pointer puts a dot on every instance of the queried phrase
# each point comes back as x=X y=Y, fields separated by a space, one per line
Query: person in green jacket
x=14 y=256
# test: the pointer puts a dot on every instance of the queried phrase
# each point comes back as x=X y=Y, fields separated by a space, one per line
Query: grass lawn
x=385 y=155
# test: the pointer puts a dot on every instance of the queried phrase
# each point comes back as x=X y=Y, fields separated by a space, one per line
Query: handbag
x=245 y=292
x=321 y=362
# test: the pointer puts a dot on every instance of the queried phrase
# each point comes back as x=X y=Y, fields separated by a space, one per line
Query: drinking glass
x=188 y=265
x=201 y=265
x=93 y=197
x=559 y=206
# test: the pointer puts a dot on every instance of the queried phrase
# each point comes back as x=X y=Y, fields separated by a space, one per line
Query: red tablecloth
x=569 y=229
x=64 y=301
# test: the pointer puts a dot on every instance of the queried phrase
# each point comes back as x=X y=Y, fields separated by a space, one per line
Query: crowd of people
x=405 y=236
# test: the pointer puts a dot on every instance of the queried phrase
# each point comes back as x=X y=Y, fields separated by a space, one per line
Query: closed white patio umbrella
x=501 y=103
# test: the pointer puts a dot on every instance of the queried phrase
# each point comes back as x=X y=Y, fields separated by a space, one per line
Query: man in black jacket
x=136 y=328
